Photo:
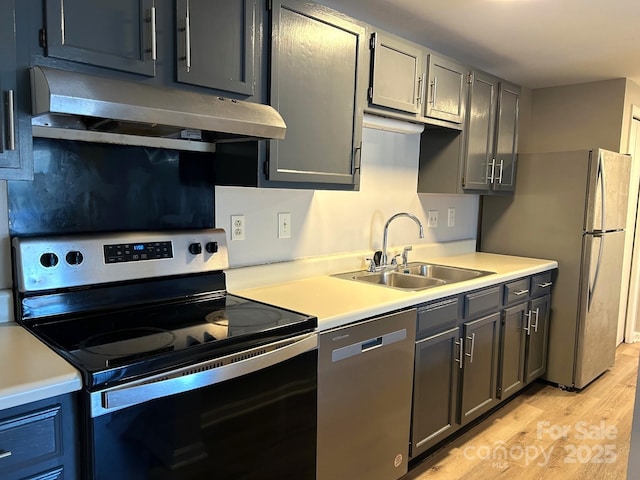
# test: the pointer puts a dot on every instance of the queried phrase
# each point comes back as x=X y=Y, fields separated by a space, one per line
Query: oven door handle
x=200 y=375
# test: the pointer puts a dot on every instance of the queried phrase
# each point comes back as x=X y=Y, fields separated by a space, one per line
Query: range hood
x=84 y=107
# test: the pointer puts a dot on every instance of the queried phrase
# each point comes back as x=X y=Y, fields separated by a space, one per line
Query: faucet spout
x=383 y=260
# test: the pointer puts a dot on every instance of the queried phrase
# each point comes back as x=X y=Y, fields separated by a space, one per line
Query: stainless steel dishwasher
x=365 y=377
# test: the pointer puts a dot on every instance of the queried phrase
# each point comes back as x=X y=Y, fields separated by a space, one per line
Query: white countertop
x=337 y=302
x=31 y=371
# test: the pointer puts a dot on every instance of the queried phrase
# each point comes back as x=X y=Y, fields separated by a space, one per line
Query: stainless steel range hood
x=84 y=107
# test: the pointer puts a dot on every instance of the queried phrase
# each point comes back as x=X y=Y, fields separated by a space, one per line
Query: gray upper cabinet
x=491 y=134
x=479 y=167
x=118 y=34
x=15 y=118
x=506 y=138
x=397 y=74
x=316 y=81
x=446 y=89
x=215 y=44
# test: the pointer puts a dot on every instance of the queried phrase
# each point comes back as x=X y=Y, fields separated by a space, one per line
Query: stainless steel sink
x=416 y=276
x=400 y=280
x=443 y=272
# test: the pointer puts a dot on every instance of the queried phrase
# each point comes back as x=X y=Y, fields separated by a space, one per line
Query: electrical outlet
x=237 y=227
x=432 y=219
x=451 y=219
x=284 y=225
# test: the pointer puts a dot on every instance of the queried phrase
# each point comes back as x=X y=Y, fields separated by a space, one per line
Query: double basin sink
x=415 y=276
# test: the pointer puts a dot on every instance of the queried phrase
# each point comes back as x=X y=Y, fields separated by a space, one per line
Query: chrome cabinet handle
x=434 y=90
x=521 y=292
x=187 y=41
x=493 y=170
x=11 y=122
x=5 y=454
x=473 y=345
x=419 y=97
x=152 y=20
x=499 y=179
x=545 y=284
x=528 y=327
x=460 y=343
x=535 y=325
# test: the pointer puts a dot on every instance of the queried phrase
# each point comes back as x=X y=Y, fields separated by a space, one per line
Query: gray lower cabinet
x=38 y=440
x=317 y=73
x=538 y=338
x=118 y=34
x=446 y=89
x=524 y=333
x=513 y=350
x=479 y=357
x=15 y=102
x=396 y=73
x=435 y=390
x=215 y=44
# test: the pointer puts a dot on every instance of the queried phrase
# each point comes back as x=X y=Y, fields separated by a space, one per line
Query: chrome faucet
x=383 y=259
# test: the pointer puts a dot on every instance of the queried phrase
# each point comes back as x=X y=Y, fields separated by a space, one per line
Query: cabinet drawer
x=482 y=301
x=437 y=316
x=516 y=291
x=541 y=284
x=30 y=438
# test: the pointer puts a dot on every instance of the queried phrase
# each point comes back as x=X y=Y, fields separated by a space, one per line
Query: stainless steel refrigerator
x=570 y=207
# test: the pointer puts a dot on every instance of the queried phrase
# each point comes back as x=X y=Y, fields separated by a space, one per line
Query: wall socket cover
x=237 y=227
x=451 y=217
x=432 y=219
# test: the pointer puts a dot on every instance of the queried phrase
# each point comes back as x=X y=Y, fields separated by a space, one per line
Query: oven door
x=254 y=418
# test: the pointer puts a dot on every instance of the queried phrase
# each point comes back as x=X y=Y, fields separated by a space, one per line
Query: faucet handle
x=372 y=265
x=405 y=254
x=394 y=260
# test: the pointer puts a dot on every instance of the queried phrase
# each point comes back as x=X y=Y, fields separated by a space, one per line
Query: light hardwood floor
x=548 y=433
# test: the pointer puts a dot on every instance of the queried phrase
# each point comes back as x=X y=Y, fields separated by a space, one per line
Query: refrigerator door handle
x=603 y=192
x=592 y=288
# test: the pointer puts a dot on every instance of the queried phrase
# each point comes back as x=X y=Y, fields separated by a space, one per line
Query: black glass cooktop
x=109 y=347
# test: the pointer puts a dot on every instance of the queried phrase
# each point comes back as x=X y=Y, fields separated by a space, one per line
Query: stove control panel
x=134 y=252
x=79 y=260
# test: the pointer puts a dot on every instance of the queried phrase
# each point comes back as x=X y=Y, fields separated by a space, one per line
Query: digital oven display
x=134 y=252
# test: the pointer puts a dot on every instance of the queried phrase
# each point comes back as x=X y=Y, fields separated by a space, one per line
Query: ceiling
x=534 y=43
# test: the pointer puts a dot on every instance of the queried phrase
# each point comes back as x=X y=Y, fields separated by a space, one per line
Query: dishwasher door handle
x=368 y=345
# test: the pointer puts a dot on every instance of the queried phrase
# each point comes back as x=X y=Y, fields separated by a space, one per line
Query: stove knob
x=211 y=247
x=48 y=260
x=195 y=248
x=74 y=258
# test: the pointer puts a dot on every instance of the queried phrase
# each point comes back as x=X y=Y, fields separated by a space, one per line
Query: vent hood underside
x=77 y=106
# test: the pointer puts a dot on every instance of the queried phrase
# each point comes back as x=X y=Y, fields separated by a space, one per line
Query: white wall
x=333 y=222
x=6 y=306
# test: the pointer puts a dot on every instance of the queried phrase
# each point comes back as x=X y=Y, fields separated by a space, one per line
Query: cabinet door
x=506 y=140
x=512 y=350
x=435 y=390
x=15 y=118
x=536 y=364
x=478 y=394
x=118 y=34
x=479 y=169
x=446 y=90
x=315 y=69
x=215 y=42
x=397 y=74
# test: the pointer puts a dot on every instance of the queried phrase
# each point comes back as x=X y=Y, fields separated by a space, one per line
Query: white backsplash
x=6 y=306
x=325 y=223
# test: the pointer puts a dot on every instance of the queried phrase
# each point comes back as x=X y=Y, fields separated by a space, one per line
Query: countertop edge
x=289 y=294
x=35 y=391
